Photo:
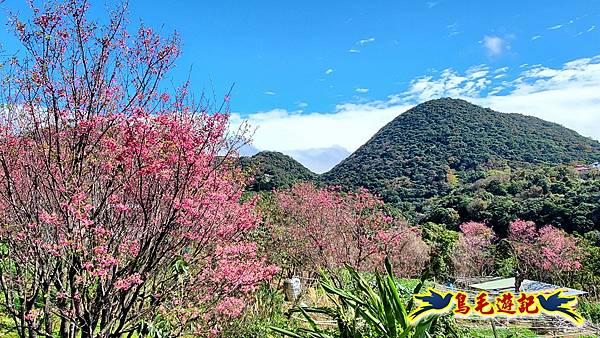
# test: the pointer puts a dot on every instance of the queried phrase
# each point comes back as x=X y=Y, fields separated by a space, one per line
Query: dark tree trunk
x=47 y=319
x=64 y=328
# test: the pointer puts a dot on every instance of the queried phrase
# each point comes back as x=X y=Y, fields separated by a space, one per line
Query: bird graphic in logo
x=430 y=303
x=559 y=304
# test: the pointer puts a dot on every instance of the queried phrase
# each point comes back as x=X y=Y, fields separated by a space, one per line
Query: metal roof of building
x=508 y=284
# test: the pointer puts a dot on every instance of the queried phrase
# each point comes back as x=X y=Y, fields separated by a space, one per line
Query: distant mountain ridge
x=428 y=149
x=319 y=160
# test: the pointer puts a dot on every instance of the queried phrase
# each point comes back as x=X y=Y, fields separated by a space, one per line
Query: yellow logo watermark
x=506 y=304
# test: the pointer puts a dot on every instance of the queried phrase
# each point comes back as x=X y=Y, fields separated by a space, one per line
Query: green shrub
x=589 y=310
x=364 y=310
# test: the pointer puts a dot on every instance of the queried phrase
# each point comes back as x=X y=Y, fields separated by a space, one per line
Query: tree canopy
x=440 y=144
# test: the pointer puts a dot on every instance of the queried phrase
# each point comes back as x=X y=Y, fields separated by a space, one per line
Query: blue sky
x=319 y=77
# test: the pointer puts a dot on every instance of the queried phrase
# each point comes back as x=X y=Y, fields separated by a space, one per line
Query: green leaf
x=285 y=332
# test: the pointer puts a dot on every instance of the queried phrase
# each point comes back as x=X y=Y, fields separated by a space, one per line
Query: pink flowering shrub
x=326 y=228
x=118 y=203
x=474 y=254
x=543 y=251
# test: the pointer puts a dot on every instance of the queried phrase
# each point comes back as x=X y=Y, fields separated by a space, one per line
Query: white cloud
x=349 y=126
x=555 y=27
x=319 y=160
x=302 y=104
x=365 y=41
x=453 y=29
x=494 y=45
x=448 y=83
x=362 y=90
x=431 y=4
x=353 y=50
x=569 y=95
x=270 y=93
x=329 y=71
x=536 y=37
x=591 y=28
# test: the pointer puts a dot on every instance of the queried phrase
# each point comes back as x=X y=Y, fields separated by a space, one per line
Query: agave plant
x=367 y=311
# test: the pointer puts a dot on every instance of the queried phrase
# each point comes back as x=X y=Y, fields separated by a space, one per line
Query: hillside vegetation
x=440 y=144
x=546 y=195
x=271 y=170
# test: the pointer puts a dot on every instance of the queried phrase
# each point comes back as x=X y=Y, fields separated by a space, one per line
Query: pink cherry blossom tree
x=119 y=203
x=474 y=255
x=545 y=252
x=326 y=228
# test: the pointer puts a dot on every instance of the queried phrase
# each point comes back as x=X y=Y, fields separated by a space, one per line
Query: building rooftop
x=508 y=284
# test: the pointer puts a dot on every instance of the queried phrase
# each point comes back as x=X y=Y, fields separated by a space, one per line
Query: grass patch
x=502 y=333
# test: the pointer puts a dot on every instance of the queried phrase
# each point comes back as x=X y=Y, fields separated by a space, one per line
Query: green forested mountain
x=441 y=144
x=272 y=170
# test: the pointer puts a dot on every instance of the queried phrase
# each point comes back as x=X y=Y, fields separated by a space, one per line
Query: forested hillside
x=271 y=170
x=546 y=195
x=440 y=144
